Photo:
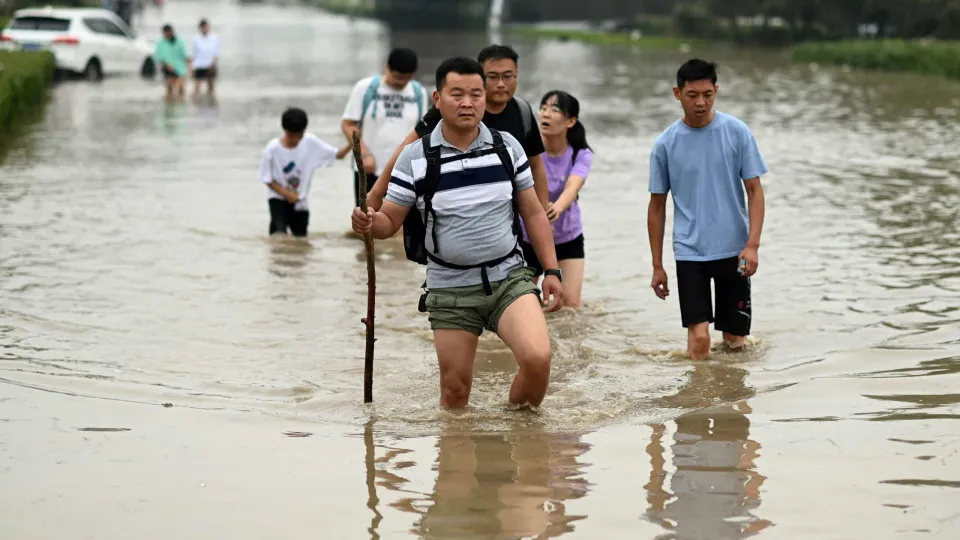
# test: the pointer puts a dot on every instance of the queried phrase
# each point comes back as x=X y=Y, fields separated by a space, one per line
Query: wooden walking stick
x=371 y=278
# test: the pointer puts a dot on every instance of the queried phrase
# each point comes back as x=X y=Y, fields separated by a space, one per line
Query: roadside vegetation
x=24 y=80
x=921 y=36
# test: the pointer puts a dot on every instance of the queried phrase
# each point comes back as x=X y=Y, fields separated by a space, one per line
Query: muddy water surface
x=136 y=273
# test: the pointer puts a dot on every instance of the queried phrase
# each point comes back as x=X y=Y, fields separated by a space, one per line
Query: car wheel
x=93 y=71
x=148 y=70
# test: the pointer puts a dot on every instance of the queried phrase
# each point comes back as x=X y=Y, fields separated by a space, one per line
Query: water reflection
x=173 y=115
x=714 y=488
x=487 y=485
x=288 y=254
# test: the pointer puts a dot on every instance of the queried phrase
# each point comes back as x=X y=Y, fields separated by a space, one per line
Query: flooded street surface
x=135 y=271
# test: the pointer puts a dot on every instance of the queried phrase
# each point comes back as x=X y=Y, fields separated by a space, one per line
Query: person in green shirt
x=171 y=56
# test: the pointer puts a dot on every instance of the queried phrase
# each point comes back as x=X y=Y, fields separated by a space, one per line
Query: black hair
x=461 y=65
x=497 y=52
x=167 y=28
x=202 y=23
x=402 y=61
x=570 y=106
x=696 y=70
x=294 y=120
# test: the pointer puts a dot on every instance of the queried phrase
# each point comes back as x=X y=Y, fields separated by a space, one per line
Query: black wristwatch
x=554 y=272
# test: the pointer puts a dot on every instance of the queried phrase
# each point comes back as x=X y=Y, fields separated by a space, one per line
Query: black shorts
x=567 y=250
x=169 y=73
x=202 y=74
x=731 y=293
x=371 y=180
x=283 y=216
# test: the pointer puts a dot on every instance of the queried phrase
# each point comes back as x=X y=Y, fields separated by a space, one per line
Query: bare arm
x=656 y=223
x=538 y=227
x=570 y=191
x=348 y=127
x=756 y=206
x=287 y=194
x=388 y=220
x=344 y=150
x=379 y=189
x=540 y=179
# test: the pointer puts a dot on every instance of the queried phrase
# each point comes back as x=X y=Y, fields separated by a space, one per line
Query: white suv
x=91 y=41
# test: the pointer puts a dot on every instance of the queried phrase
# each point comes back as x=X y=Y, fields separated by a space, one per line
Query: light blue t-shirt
x=704 y=169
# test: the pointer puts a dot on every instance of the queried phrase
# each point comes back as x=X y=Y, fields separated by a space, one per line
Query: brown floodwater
x=168 y=371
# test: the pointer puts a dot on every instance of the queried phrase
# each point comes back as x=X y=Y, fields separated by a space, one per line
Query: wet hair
x=402 y=61
x=696 y=70
x=294 y=120
x=570 y=106
x=497 y=52
x=461 y=65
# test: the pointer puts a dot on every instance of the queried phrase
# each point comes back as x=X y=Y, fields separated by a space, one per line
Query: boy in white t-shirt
x=287 y=169
x=384 y=108
x=206 y=51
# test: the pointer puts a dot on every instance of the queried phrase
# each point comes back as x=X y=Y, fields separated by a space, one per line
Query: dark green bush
x=23 y=83
x=929 y=57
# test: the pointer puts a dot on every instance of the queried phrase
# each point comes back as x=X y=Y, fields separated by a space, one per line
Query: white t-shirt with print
x=293 y=168
x=391 y=116
x=206 y=49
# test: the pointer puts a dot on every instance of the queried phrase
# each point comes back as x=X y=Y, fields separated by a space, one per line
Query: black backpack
x=415 y=226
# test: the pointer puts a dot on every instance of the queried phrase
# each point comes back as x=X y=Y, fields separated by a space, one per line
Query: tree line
x=761 y=20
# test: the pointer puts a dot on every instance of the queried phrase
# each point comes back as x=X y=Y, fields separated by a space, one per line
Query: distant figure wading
x=206 y=53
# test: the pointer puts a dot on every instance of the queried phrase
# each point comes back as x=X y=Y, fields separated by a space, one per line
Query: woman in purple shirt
x=567 y=160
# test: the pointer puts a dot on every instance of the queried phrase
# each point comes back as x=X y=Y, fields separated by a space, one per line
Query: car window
x=95 y=25
x=112 y=28
x=48 y=24
x=103 y=26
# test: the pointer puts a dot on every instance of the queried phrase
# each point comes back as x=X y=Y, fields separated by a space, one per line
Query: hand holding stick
x=371 y=278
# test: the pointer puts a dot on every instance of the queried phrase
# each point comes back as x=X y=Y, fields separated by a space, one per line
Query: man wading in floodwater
x=707 y=159
x=383 y=108
x=468 y=237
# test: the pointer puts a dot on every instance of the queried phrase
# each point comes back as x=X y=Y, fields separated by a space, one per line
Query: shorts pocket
x=527 y=273
x=437 y=300
x=445 y=300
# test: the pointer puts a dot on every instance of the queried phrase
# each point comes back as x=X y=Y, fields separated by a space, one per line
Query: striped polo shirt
x=472 y=204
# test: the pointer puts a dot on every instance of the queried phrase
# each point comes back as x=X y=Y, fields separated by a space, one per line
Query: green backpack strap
x=418 y=95
x=368 y=98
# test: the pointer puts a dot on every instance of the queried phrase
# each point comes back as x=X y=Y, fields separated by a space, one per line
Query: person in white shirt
x=206 y=51
x=287 y=169
x=384 y=108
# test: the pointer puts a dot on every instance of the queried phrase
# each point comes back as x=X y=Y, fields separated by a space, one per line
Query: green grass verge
x=612 y=38
x=941 y=58
x=23 y=84
x=3 y=21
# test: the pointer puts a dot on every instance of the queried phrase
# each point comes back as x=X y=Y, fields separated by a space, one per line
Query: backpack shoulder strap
x=418 y=95
x=526 y=114
x=369 y=96
x=431 y=180
x=500 y=147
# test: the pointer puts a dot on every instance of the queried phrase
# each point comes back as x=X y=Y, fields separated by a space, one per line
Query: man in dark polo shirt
x=504 y=112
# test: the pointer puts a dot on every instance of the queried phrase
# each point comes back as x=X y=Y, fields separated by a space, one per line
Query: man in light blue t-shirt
x=707 y=160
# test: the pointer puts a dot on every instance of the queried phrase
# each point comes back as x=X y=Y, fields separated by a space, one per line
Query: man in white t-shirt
x=287 y=169
x=384 y=108
x=206 y=51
